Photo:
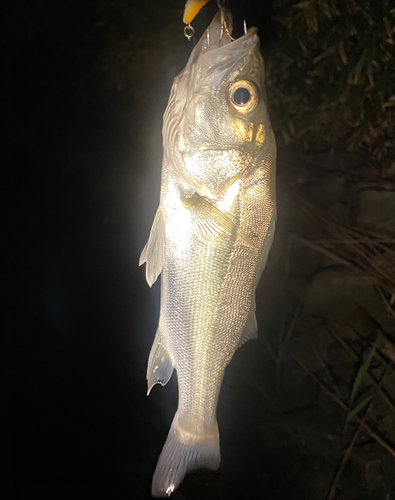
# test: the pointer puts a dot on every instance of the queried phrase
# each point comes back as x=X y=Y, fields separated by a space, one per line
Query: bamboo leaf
x=342 y=53
x=270 y=349
x=366 y=15
x=363 y=370
x=359 y=66
x=330 y=50
x=370 y=76
x=359 y=407
x=314 y=21
x=289 y=333
x=302 y=46
x=303 y=5
x=388 y=27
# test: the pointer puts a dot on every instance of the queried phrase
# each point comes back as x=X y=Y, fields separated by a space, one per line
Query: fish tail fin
x=181 y=454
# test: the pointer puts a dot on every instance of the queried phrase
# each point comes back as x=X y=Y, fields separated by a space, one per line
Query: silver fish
x=211 y=235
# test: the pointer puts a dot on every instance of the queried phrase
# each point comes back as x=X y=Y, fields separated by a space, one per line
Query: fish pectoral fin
x=211 y=220
x=250 y=331
x=154 y=251
x=160 y=366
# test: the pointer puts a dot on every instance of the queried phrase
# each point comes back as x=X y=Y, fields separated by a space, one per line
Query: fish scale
x=210 y=238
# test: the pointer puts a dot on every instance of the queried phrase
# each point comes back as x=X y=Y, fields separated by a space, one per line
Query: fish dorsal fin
x=211 y=220
x=154 y=251
x=250 y=331
x=160 y=366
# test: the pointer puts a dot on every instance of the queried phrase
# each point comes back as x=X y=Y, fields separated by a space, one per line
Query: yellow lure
x=192 y=8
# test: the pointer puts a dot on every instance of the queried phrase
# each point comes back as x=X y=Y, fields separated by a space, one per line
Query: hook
x=222 y=21
x=227 y=32
x=224 y=25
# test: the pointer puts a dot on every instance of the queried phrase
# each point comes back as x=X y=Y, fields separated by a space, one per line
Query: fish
x=211 y=235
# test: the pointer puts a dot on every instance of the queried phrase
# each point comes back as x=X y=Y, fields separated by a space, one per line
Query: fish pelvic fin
x=211 y=220
x=181 y=454
x=160 y=366
x=154 y=251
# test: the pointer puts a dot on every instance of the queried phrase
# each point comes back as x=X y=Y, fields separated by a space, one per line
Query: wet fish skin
x=210 y=238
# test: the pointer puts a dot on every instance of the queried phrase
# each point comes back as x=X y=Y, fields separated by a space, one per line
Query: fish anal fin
x=154 y=251
x=160 y=366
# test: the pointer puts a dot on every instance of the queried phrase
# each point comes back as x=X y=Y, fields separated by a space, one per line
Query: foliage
x=331 y=75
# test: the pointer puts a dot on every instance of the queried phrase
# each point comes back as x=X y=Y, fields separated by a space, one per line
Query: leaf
x=363 y=370
x=289 y=333
x=359 y=407
x=385 y=345
x=313 y=21
x=303 y=47
x=366 y=15
x=324 y=54
x=388 y=27
x=370 y=76
x=342 y=53
x=270 y=349
x=359 y=66
x=303 y=5
x=371 y=129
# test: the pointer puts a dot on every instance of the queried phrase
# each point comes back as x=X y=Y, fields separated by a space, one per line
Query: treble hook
x=224 y=25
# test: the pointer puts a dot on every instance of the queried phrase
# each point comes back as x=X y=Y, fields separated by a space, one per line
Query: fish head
x=217 y=126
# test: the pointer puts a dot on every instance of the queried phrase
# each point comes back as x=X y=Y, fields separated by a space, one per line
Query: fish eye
x=243 y=96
